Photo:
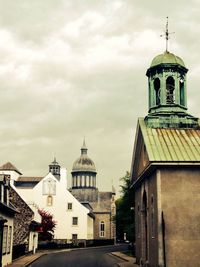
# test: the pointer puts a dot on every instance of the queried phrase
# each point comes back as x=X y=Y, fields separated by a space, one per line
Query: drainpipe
x=163 y=239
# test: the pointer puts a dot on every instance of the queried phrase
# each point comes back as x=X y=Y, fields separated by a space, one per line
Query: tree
x=125 y=211
x=48 y=225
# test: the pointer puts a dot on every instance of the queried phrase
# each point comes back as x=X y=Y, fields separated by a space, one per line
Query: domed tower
x=168 y=93
x=54 y=168
x=84 y=171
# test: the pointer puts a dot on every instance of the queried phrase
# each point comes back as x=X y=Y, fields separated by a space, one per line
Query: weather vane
x=166 y=35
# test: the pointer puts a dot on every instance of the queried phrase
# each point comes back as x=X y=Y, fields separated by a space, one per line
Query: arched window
x=170 y=90
x=102 y=229
x=157 y=90
x=49 y=200
x=181 y=86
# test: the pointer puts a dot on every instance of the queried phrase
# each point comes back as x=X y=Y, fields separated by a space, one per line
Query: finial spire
x=84 y=145
x=84 y=148
x=167 y=33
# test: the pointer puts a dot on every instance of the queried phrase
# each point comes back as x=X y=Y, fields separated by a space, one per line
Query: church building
x=102 y=204
x=74 y=221
x=165 y=171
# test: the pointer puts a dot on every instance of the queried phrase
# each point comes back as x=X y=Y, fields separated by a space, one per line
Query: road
x=90 y=257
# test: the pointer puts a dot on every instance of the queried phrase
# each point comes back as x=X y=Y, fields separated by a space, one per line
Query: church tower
x=84 y=185
x=101 y=204
x=165 y=170
x=168 y=93
x=54 y=168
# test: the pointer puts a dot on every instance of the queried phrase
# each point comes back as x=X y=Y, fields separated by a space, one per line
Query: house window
x=49 y=201
x=5 y=195
x=69 y=206
x=2 y=193
x=5 y=237
x=74 y=236
x=9 y=239
x=102 y=229
x=74 y=220
x=1 y=189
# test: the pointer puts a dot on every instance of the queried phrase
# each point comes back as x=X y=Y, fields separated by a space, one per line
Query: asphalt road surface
x=90 y=257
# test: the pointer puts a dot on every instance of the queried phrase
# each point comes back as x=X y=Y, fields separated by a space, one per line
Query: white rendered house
x=74 y=220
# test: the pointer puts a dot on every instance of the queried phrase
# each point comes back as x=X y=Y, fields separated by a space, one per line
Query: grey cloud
x=70 y=69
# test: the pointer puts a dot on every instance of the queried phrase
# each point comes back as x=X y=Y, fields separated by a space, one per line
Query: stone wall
x=180 y=189
x=22 y=220
x=106 y=218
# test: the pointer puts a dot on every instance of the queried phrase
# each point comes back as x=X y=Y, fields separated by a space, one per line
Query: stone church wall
x=150 y=187
x=99 y=217
x=180 y=203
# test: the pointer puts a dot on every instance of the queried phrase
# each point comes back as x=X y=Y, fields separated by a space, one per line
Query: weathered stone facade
x=166 y=171
x=22 y=219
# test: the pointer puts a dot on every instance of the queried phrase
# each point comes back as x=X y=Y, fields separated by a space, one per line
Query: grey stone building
x=166 y=171
x=102 y=204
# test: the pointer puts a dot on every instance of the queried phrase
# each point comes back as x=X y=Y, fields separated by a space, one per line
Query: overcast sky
x=75 y=68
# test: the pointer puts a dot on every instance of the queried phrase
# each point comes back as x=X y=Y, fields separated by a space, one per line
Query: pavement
x=128 y=261
x=28 y=259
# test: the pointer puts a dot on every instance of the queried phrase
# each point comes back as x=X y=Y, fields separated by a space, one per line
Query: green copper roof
x=167 y=58
x=171 y=145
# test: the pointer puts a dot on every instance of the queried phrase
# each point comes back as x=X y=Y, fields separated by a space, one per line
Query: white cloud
x=69 y=69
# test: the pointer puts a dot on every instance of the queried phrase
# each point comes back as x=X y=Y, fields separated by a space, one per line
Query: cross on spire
x=167 y=33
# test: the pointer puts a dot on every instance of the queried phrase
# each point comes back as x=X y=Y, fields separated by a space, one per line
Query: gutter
x=152 y=167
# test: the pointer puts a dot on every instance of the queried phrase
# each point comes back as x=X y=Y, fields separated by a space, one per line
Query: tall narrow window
x=74 y=220
x=5 y=194
x=170 y=90
x=1 y=189
x=2 y=193
x=49 y=201
x=69 y=206
x=5 y=237
x=181 y=86
x=9 y=239
x=157 y=90
x=102 y=229
x=74 y=237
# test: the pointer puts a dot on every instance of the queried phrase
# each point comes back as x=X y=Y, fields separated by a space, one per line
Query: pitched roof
x=9 y=167
x=29 y=179
x=171 y=145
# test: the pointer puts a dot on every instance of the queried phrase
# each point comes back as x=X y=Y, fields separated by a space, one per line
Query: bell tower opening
x=170 y=90
x=157 y=91
x=54 y=168
x=182 y=89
